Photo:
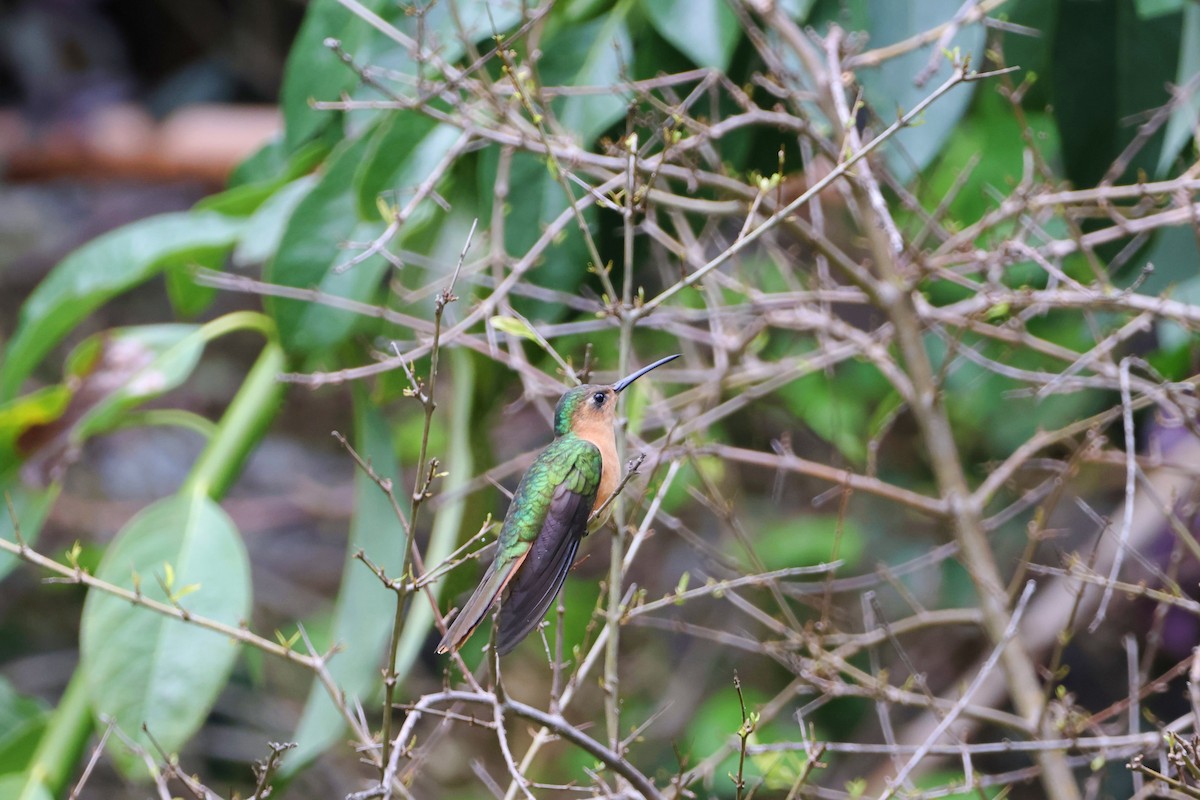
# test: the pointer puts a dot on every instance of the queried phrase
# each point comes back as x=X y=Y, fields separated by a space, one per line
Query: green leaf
x=1171 y=335
x=1110 y=65
x=163 y=357
x=262 y=165
x=449 y=26
x=592 y=55
x=314 y=72
x=22 y=720
x=19 y=415
x=138 y=363
x=142 y=667
x=58 y=750
x=1174 y=254
x=809 y=539
x=890 y=90
x=883 y=414
x=103 y=268
x=267 y=224
x=312 y=250
x=514 y=326
x=271 y=175
x=541 y=201
x=706 y=31
x=576 y=10
x=1181 y=127
x=105 y=376
x=16 y=786
x=403 y=153
x=188 y=298
x=837 y=410
x=364 y=606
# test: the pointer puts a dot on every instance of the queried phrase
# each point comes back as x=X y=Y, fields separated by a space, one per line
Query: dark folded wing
x=542 y=574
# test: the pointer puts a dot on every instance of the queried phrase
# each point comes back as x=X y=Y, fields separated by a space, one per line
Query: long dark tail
x=481 y=602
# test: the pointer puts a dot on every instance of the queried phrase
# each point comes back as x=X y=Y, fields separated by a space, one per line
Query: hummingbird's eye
x=598 y=398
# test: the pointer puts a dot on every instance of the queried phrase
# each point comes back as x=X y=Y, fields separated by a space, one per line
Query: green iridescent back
x=568 y=460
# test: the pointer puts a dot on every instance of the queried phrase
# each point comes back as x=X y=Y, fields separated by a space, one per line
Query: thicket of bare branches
x=861 y=673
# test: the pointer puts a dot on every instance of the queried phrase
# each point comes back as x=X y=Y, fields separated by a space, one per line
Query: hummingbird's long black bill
x=620 y=385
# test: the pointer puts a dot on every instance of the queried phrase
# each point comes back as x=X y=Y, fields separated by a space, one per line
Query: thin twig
x=984 y=672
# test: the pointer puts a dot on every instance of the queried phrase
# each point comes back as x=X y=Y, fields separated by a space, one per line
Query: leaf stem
x=61 y=744
x=247 y=416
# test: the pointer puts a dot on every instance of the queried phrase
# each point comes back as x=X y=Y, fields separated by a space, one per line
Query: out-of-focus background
x=115 y=111
x=111 y=112
x=922 y=370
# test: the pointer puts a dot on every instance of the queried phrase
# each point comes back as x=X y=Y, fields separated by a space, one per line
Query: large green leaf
x=591 y=55
x=806 y=539
x=271 y=173
x=1110 y=65
x=314 y=72
x=362 y=617
x=541 y=201
x=312 y=249
x=405 y=152
x=706 y=31
x=401 y=155
x=268 y=223
x=837 y=410
x=449 y=26
x=141 y=667
x=1155 y=8
x=1173 y=255
x=104 y=268
x=890 y=89
x=264 y=164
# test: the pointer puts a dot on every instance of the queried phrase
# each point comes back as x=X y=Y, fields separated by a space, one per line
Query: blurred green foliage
x=339 y=176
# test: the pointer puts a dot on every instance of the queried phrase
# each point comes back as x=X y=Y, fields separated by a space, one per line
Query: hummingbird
x=549 y=515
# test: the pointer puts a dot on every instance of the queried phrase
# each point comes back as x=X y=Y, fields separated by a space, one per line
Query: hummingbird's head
x=595 y=403
x=584 y=405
